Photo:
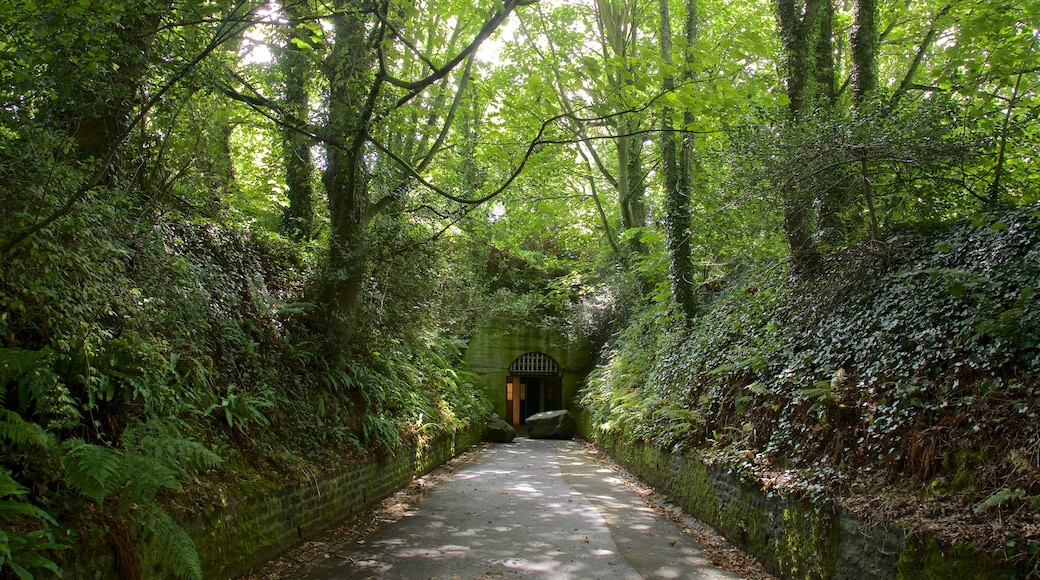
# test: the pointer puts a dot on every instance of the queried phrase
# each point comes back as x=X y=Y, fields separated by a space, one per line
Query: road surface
x=527 y=509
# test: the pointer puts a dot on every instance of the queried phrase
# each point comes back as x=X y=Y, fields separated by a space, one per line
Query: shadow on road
x=531 y=508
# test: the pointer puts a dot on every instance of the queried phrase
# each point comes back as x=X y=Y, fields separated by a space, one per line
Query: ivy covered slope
x=140 y=353
x=901 y=384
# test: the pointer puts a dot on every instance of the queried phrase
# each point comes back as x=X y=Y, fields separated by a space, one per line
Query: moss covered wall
x=790 y=537
x=496 y=344
x=252 y=530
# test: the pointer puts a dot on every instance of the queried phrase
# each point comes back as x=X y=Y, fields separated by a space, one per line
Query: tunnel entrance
x=532 y=386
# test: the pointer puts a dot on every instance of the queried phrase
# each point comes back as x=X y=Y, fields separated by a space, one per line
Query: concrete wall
x=495 y=345
x=251 y=530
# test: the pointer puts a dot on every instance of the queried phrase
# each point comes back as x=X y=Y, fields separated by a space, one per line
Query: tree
x=297 y=67
x=618 y=23
x=804 y=30
x=863 y=40
x=358 y=73
x=676 y=162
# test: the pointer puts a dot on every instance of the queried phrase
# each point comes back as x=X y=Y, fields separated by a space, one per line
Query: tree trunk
x=796 y=25
x=830 y=194
x=863 y=41
x=677 y=180
x=101 y=110
x=825 y=89
x=298 y=218
x=631 y=188
x=352 y=92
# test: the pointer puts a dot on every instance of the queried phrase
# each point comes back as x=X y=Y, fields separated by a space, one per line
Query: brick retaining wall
x=792 y=538
x=252 y=530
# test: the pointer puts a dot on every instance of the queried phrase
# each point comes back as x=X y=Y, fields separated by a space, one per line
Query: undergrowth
x=138 y=355
x=909 y=366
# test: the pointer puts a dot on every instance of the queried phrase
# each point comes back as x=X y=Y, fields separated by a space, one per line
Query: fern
x=22 y=552
x=22 y=433
x=145 y=478
x=16 y=362
x=92 y=470
x=153 y=457
x=174 y=543
x=162 y=440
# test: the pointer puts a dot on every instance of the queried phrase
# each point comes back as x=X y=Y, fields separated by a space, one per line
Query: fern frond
x=23 y=433
x=93 y=470
x=174 y=543
x=21 y=552
x=8 y=486
x=16 y=362
x=22 y=573
x=43 y=562
x=145 y=476
x=18 y=508
x=161 y=440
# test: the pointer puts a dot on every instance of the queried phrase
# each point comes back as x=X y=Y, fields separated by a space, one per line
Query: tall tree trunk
x=298 y=218
x=101 y=110
x=617 y=20
x=830 y=195
x=996 y=187
x=864 y=41
x=631 y=186
x=796 y=25
x=353 y=90
x=825 y=83
x=676 y=182
x=864 y=79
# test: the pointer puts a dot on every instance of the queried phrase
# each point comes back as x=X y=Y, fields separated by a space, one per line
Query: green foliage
x=862 y=369
x=158 y=316
x=23 y=549
x=154 y=457
x=914 y=160
x=172 y=541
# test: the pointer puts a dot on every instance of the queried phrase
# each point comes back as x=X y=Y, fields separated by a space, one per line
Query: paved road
x=527 y=509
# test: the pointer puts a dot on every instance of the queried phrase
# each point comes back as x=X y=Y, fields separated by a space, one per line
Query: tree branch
x=489 y=27
x=907 y=82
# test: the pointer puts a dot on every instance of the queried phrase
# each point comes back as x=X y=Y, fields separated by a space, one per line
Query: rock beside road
x=551 y=425
x=498 y=431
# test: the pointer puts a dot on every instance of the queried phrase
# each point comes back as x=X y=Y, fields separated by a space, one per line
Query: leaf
x=175 y=543
x=301 y=43
x=21 y=432
x=9 y=508
x=91 y=469
x=999 y=497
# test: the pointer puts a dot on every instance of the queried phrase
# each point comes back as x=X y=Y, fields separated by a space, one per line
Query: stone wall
x=792 y=538
x=252 y=530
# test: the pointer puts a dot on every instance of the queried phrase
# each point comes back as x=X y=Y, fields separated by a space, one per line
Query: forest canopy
x=237 y=237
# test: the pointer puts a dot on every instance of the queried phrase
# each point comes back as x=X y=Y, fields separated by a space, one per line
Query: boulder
x=498 y=431
x=551 y=425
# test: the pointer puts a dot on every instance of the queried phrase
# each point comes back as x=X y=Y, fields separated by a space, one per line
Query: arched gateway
x=525 y=370
x=534 y=385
